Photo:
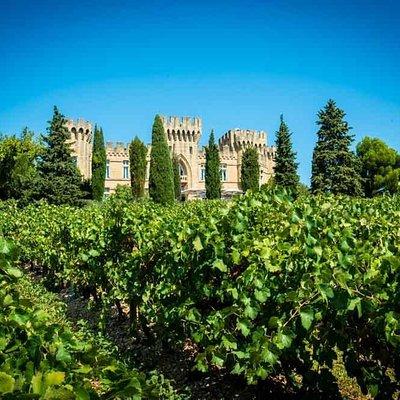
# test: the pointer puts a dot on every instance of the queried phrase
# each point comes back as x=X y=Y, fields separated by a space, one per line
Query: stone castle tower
x=82 y=145
x=183 y=138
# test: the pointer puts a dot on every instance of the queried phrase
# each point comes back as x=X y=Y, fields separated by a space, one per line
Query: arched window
x=182 y=170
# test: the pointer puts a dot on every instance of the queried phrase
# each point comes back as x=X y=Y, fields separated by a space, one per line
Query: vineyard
x=262 y=286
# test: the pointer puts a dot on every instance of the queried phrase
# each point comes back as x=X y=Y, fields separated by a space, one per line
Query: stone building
x=183 y=136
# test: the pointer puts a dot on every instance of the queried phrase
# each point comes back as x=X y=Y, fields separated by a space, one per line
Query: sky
x=236 y=64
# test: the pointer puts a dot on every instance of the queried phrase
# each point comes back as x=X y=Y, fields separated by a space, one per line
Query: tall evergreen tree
x=60 y=180
x=138 y=164
x=161 y=180
x=335 y=168
x=212 y=170
x=250 y=170
x=285 y=160
x=177 y=177
x=99 y=160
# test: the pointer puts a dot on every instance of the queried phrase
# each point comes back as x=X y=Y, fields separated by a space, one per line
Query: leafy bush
x=264 y=285
x=42 y=357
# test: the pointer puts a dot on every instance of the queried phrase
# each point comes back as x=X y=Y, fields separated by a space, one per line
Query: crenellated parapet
x=182 y=129
x=117 y=149
x=80 y=129
x=237 y=139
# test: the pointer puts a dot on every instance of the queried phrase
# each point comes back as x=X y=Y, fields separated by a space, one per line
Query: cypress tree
x=177 y=177
x=161 y=180
x=335 y=168
x=250 y=170
x=99 y=160
x=138 y=164
x=60 y=180
x=285 y=168
x=212 y=170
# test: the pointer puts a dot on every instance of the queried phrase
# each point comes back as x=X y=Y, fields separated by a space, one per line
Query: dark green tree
x=212 y=170
x=18 y=173
x=138 y=164
x=161 y=180
x=60 y=180
x=335 y=168
x=379 y=168
x=99 y=160
x=285 y=160
x=177 y=177
x=250 y=170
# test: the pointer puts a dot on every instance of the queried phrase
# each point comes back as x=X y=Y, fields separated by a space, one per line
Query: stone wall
x=183 y=137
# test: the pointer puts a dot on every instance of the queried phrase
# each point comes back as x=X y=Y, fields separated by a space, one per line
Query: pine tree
x=250 y=170
x=138 y=164
x=177 y=177
x=212 y=170
x=60 y=180
x=99 y=160
x=335 y=168
x=161 y=180
x=285 y=168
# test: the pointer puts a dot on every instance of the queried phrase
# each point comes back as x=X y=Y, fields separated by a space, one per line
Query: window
x=191 y=150
x=108 y=169
x=223 y=172
x=106 y=192
x=182 y=171
x=202 y=172
x=125 y=165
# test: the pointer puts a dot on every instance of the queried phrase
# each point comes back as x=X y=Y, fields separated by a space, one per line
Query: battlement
x=117 y=148
x=182 y=123
x=242 y=137
x=79 y=125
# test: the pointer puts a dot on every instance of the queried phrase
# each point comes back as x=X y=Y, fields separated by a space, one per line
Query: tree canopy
x=18 y=174
x=335 y=168
x=285 y=160
x=380 y=166
x=60 y=179
x=161 y=180
x=212 y=170
x=99 y=160
x=138 y=165
x=250 y=170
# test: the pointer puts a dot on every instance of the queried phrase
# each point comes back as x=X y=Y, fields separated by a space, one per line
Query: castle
x=183 y=136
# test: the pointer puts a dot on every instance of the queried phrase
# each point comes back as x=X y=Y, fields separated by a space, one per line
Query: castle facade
x=183 y=136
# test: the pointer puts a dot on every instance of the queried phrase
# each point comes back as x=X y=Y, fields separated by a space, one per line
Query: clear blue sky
x=233 y=63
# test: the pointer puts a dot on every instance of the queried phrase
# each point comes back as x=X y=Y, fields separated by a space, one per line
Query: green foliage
x=335 y=168
x=43 y=358
x=99 y=160
x=250 y=170
x=138 y=165
x=380 y=169
x=18 y=174
x=177 y=177
x=285 y=160
x=161 y=180
x=212 y=170
x=257 y=298
x=60 y=180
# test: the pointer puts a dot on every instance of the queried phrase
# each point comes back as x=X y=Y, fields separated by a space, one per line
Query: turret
x=81 y=140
